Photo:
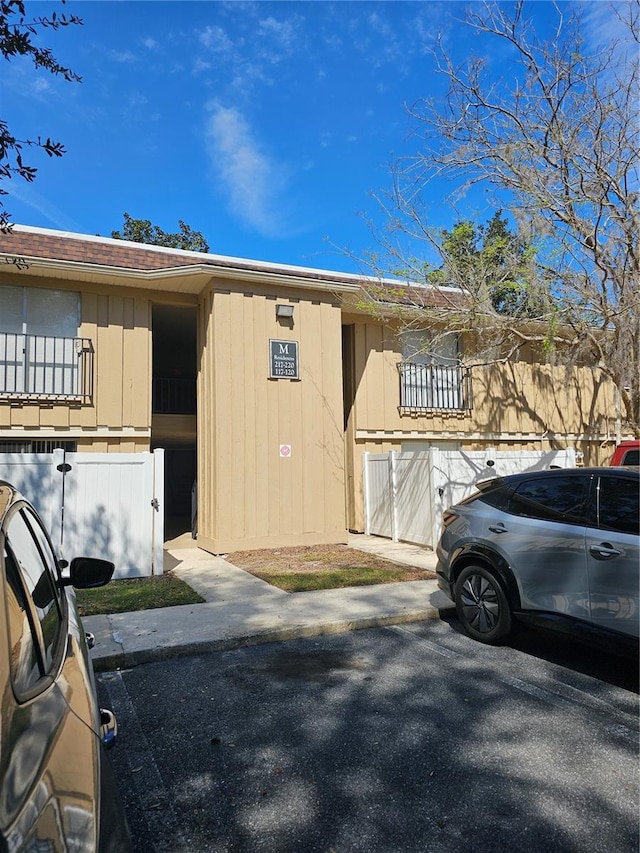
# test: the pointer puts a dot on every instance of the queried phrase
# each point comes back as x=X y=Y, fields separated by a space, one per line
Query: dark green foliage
x=493 y=262
x=142 y=231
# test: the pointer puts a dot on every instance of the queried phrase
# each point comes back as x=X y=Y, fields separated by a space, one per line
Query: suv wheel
x=482 y=606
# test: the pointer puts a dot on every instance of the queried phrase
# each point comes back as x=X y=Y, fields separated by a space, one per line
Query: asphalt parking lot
x=408 y=738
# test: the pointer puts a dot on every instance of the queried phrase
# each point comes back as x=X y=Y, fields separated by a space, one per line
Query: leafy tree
x=494 y=261
x=16 y=39
x=559 y=143
x=142 y=231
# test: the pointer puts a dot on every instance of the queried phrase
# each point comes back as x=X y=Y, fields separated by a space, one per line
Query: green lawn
x=301 y=569
x=122 y=596
x=331 y=579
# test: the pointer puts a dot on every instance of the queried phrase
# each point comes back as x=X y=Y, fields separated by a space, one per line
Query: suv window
x=497 y=497
x=551 y=499
x=618 y=505
x=35 y=562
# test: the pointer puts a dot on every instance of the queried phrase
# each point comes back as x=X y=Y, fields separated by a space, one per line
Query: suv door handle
x=604 y=551
x=498 y=528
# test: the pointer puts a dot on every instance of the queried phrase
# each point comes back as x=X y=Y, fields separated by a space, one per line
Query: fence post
x=157 y=510
x=365 y=493
x=436 y=491
x=393 y=489
x=58 y=474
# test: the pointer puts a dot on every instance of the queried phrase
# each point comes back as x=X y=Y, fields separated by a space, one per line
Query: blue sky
x=264 y=125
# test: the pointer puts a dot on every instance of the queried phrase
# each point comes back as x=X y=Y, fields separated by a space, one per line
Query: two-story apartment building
x=264 y=383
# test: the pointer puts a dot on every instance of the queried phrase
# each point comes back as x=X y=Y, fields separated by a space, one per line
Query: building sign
x=283 y=359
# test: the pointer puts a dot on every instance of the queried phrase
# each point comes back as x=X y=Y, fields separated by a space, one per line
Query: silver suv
x=560 y=547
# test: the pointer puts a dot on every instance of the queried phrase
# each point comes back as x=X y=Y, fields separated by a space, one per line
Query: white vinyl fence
x=405 y=493
x=107 y=505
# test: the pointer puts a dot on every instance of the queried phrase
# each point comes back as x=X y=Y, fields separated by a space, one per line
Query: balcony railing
x=46 y=367
x=174 y=396
x=434 y=387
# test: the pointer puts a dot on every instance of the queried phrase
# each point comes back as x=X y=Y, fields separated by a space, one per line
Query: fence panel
x=413 y=497
x=105 y=505
x=377 y=495
x=36 y=475
x=406 y=493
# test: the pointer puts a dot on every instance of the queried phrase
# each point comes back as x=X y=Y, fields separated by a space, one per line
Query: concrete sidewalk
x=241 y=610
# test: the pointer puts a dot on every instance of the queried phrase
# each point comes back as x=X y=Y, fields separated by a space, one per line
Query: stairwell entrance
x=174 y=407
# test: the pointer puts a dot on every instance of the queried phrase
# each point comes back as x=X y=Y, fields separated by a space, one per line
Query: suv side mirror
x=89 y=572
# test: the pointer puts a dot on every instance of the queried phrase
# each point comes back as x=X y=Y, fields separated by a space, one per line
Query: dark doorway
x=179 y=477
x=174 y=405
x=174 y=360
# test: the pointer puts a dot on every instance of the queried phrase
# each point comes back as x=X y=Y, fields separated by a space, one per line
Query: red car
x=626 y=453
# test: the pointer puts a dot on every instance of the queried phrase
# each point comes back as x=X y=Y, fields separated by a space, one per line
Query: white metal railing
x=45 y=366
x=434 y=386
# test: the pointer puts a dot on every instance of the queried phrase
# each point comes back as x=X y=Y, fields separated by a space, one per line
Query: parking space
x=409 y=738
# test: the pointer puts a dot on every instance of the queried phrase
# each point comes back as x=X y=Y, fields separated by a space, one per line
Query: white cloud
x=216 y=40
x=253 y=181
x=603 y=22
x=30 y=198
x=122 y=56
x=280 y=34
x=41 y=86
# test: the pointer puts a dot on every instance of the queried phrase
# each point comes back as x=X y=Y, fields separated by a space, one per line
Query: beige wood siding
x=118 y=323
x=513 y=398
x=516 y=406
x=248 y=495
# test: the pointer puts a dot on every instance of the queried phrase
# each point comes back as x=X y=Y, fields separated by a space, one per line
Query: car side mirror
x=89 y=572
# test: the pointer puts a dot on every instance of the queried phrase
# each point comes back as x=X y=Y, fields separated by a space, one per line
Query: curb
x=115 y=657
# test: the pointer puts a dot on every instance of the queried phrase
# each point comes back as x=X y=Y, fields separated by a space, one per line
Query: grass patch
x=309 y=568
x=328 y=579
x=123 y=596
x=298 y=569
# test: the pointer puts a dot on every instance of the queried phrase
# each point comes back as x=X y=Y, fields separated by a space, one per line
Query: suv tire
x=482 y=605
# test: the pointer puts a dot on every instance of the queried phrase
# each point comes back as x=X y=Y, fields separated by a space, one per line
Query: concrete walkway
x=241 y=609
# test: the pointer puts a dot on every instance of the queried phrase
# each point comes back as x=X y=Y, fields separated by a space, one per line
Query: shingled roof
x=74 y=248
x=107 y=253
x=34 y=243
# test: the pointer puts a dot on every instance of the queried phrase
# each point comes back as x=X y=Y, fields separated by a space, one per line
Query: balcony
x=174 y=396
x=434 y=387
x=43 y=367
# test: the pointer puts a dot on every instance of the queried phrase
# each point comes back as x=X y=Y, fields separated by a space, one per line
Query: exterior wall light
x=284 y=312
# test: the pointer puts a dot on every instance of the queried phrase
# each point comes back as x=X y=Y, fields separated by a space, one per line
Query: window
x=497 y=497
x=29 y=555
x=40 y=351
x=560 y=499
x=631 y=457
x=38 y=446
x=618 y=505
x=24 y=660
x=431 y=376
x=36 y=311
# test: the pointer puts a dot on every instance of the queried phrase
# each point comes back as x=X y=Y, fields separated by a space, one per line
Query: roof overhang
x=189 y=272
x=183 y=279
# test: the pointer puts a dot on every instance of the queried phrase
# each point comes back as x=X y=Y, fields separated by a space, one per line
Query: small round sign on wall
x=285 y=451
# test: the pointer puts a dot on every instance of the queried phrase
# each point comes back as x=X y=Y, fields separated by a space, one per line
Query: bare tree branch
x=560 y=144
